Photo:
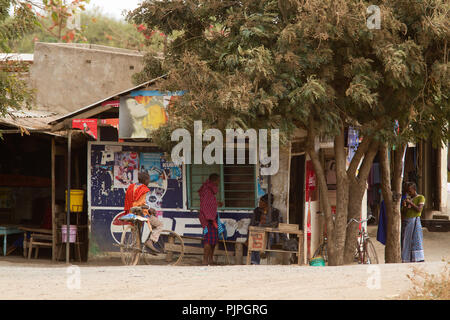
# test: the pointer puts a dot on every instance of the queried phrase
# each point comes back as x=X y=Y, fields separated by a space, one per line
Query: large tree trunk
x=358 y=186
x=342 y=198
x=323 y=190
x=392 y=199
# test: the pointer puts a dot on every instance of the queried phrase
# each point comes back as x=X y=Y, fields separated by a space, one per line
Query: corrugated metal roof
x=29 y=57
x=30 y=119
x=98 y=103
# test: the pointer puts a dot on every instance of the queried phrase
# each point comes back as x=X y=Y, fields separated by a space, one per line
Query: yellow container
x=76 y=200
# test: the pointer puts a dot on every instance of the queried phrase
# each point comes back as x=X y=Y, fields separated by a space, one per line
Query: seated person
x=136 y=196
x=263 y=218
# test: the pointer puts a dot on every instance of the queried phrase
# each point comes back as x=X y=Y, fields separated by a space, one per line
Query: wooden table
x=32 y=230
x=36 y=230
x=5 y=231
x=237 y=253
x=257 y=241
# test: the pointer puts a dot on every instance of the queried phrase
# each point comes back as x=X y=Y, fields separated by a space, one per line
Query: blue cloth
x=222 y=230
x=19 y=242
x=382 y=222
x=412 y=248
x=382 y=225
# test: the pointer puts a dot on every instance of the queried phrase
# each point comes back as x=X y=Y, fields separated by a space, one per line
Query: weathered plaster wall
x=70 y=76
x=280 y=184
x=444 y=177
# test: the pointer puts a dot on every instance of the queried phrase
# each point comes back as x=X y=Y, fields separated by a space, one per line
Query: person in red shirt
x=208 y=216
x=136 y=197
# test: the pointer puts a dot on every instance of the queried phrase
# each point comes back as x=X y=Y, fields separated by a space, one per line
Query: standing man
x=412 y=246
x=208 y=216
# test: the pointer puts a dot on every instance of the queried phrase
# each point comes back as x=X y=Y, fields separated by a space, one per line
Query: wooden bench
x=37 y=241
x=258 y=240
x=39 y=238
x=237 y=253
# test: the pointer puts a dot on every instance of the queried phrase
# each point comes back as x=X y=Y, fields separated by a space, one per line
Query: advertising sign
x=88 y=126
x=142 y=113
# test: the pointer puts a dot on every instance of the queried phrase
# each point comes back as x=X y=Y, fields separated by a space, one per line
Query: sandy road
x=39 y=279
x=198 y=283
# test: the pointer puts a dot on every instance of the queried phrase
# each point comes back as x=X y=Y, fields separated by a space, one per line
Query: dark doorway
x=296 y=190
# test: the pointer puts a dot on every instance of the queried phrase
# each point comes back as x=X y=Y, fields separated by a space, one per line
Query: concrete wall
x=444 y=177
x=71 y=76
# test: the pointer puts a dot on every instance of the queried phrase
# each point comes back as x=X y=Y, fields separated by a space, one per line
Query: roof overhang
x=27 y=121
x=65 y=122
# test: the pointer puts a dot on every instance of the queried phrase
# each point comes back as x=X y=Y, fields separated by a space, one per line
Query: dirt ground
x=108 y=279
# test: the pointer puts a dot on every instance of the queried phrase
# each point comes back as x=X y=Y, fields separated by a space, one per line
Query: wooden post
x=238 y=253
x=250 y=246
x=169 y=254
x=53 y=202
x=77 y=170
x=301 y=250
x=69 y=147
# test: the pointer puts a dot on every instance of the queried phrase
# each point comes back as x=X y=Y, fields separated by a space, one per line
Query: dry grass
x=428 y=286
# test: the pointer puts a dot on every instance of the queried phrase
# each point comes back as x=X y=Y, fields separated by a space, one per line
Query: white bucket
x=72 y=233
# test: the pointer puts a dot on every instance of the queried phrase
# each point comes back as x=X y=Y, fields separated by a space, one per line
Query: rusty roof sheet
x=30 y=119
x=64 y=116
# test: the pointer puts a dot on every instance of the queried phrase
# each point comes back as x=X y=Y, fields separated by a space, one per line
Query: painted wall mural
x=166 y=195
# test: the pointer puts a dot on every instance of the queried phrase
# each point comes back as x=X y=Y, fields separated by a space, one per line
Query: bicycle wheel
x=130 y=245
x=173 y=246
x=318 y=252
x=370 y=255
x=325 y=252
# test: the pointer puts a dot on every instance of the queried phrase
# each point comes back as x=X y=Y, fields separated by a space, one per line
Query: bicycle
x=132 y=245
x=365 y=250
x=322 y=250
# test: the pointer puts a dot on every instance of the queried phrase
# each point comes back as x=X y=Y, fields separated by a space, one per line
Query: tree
x=63 y=16
x=421 y=96
x=292 y=64
x=14 y=93
x=95 y=28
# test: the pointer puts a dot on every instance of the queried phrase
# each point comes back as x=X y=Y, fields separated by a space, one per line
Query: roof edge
x=93 y=105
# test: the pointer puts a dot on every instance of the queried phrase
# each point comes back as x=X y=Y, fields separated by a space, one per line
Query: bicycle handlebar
x=360 y=221
x=139 y=208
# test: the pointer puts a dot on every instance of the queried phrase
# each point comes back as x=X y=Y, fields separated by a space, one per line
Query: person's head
x=264 y=201
x=143 y=178
x=411 y=189
x=214 y=178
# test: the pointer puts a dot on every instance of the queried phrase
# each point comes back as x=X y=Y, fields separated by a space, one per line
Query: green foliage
x=14 y=93
x=96 y=28
x=290 y=63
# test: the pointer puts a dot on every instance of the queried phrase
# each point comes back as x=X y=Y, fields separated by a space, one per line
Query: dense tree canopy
x=313 y=65
x=14 y=93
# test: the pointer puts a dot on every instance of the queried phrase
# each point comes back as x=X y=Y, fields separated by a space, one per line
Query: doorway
x=297 y=190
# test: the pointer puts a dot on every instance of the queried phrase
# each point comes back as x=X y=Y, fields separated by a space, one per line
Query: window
x=236 y=189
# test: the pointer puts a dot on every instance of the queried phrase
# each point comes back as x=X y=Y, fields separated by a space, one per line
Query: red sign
x=111 y=122
x=88 y=126
x=111 y=103
x=256 y=240
x=310 y=181
x=114 y=122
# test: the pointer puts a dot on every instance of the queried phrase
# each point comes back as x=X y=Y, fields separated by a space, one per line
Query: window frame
x=222 y=189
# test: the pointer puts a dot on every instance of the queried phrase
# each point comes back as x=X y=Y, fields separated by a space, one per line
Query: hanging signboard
x=143 y=112
x=88 y=126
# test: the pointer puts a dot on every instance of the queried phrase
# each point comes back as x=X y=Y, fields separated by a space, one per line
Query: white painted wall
x=444 y=176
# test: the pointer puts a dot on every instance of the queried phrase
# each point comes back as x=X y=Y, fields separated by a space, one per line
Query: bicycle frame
x=361 y=240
